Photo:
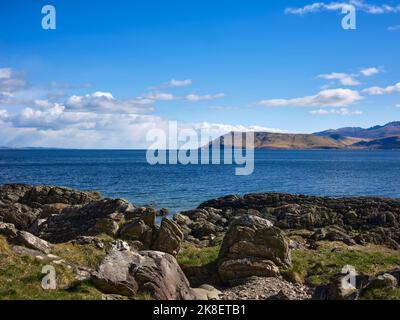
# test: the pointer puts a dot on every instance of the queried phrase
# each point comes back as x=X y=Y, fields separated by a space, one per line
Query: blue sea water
x=126 y=174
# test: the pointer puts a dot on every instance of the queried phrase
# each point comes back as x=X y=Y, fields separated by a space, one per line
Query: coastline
x=261 y=245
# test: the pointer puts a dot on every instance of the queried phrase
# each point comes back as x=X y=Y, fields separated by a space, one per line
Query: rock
x=338 y=289
x=169 y=238
x=206 y=292
x=30 y=241
x=21 y=215
x=385 y=280
x=395 y=273
x=104 y=226
x=126 y=273
x=116 y=273
x=120 y=245
x=24 y=238
x=137 y=230
x=333 y=233
x=144 y=213
x=253 y=246
x=97 y=217
x=377 y=220
x=52 y=209
x=51 y=195
x=8 y=230
x=202 y=228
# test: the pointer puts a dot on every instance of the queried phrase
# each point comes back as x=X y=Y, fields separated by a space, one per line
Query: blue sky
x=112 y=70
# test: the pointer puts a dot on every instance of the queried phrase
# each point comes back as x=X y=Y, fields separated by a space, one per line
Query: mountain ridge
x=353 y=138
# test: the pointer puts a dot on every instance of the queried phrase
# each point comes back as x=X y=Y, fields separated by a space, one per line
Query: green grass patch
x=193 y=256
x=83 y=255
x=315 y=267
x=20 y=279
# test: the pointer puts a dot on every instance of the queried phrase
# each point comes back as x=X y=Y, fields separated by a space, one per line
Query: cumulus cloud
x=344 y=78
x=325 y=98
x=383 y=90
x=340 y=112
x=206 y=97
x=368 y=72
x=104 y=102
x=338 y=6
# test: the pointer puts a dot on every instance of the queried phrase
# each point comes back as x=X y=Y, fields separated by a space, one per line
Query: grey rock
x=157 y=273
x=253 y=246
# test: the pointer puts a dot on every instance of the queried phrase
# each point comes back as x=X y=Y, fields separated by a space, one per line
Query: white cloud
x=179 y=83
x=327 y=98
x=368 y=72
x=336 y=6
x=344 y=78
x=207 y=97
x=104 y=102
x=394 y=28
x=383 y=90
x=160 y=96
x=340 y=112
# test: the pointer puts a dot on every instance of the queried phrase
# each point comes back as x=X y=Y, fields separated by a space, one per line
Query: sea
x=126 y=174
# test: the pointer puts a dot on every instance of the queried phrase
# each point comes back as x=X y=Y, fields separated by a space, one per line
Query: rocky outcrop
x=22 y=204
x=23 y=238
x=97 y=217
x=376 y=220
x=253 y=247
x=167 y=237
x=152 y=272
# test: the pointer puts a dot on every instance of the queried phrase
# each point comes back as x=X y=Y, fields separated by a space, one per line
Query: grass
x=82 y=255
x=315 y=267
x=20 y=279
x=197 y=257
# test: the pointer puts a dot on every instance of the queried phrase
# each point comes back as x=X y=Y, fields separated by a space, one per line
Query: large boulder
x=168 y=238
x=341 y=286
x=23 y=238
x=156 y=273
x=252 y=246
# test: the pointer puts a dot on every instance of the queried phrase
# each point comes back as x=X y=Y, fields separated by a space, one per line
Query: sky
x=113 y=70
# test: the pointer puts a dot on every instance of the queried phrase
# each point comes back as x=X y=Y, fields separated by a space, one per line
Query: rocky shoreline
x=249 y=246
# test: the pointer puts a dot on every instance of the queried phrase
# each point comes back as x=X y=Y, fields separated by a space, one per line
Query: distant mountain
x=268 y=140
x=385 y=143
x=378 y=137
x=377 y=132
